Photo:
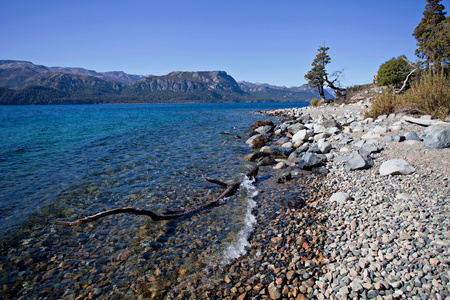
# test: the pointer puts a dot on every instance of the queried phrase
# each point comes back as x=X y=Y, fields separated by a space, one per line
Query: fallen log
x=230 y=190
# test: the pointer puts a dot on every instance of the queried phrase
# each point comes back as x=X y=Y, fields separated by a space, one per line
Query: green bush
x=393 y=72
x=315 y=102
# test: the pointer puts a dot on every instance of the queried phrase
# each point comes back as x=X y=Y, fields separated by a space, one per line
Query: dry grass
x=384 y=104
x=315 y=102
x=429 y=94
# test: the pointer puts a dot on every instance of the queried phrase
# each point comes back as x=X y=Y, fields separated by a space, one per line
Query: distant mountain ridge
x=12 y=73
x=23 y=82
x=280 y=93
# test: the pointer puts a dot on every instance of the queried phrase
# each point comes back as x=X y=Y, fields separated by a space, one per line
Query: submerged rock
x=285 y=177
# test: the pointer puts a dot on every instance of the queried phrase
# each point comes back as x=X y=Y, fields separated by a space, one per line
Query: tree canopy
x=393 y=72
x=317 y=75
x=433 y=35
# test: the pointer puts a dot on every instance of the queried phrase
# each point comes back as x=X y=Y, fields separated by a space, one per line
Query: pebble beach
x=375 y=224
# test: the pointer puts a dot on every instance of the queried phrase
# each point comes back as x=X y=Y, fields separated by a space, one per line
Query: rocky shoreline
x=376 y=221
x=388 y=215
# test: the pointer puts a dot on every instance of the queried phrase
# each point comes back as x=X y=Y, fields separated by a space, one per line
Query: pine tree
x=317 y=76
x=432 y=35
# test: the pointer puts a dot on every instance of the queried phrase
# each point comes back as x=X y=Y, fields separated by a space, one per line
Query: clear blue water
x=62 y=162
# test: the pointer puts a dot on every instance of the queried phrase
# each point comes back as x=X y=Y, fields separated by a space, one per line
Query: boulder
x=282 y=141
x=358 y=160
x=330 y=123
x=294 y=128
x=256 y=141
x=309 y=160
x=266 y=161
x=314 y=149
x=324 y=147
x=261 y=123
x=332 y=130
x=256 y=155
x=396 y=167
x=412 y=136
x=302 y=148
x=301 y=136
x=265 y=149
x=265 y=129
x=438 y=137
x=282 y=152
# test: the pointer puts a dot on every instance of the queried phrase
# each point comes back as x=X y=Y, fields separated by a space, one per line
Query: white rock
x=280 y=165
x=340 y=197
x=288 y=145
x=300 y=136
x=395 y=127
x=379 y=129
x=347 y=130
x=371 y=135
x=396 y=167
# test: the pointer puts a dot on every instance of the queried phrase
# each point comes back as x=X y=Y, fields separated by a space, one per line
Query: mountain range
x=23 y=82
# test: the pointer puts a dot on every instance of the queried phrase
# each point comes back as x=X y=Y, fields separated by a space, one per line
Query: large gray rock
x=324 y=147
x=359 y=160
x=282 y=141
x=309 y=160
x=412 y=136
x=265 y=129
x=438 y=137
x=396 y=167
x=282 y=152
x=314 y=149
x=330 y=123
x=294 y=128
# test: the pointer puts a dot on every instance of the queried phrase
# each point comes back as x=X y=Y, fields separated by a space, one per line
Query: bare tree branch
x=229 y=191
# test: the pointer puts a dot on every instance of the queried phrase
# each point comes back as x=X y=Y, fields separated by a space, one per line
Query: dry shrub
x=383 y=104
x=429 y=94
x=315 y=102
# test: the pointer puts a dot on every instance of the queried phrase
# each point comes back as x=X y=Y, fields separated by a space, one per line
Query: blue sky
x=258 y=41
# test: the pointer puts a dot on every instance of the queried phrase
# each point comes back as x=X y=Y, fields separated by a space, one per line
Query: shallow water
x=63 y=162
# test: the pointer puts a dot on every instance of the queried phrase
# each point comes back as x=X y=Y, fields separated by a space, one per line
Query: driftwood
x=415 y=68
x=230 y=190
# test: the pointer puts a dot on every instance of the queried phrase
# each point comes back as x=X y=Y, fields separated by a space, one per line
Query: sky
x=261 y=41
